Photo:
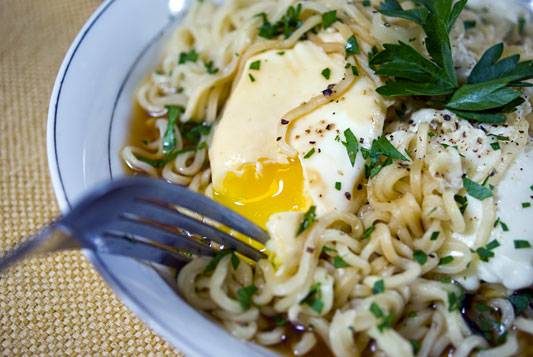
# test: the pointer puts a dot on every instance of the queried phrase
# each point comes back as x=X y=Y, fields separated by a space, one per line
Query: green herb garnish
x=526 y=204
x=309 y=153
x=326 y=73
x=455 y=301
x=488 y=93
x=469 y=24
x=486 y=252
x=313 y=299
x=328 y=18
x=368 y=232
x=521 y=244
x=216 y=259
x=255 y=65
x=244 y=295
x=289 y=23
x=352 y=47
x=420 y=257
x=520 y=301
x=434 y=235
x=351 y=144
x=476 y=190
x=338 y=186
x=191 y=56
x=210 y=67
x=379 y=287
x=445 y=260
x=415 y=345
x=169 y=138
x=462 y=202
x=309 y=219
x=252 y=78
x=495 y=146
x=338 y=262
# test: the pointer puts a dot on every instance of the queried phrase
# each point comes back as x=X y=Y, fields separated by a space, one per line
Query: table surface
x=56 y=305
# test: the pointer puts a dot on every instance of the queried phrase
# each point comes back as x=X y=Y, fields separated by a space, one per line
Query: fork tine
x=182 y=196
x=117 y=244
x=174 y=218
x=160 y=235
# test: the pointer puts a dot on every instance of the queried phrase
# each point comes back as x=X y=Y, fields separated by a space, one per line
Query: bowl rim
x=181 y=341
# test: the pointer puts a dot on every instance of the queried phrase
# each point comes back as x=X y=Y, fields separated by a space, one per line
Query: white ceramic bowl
x=88 y=120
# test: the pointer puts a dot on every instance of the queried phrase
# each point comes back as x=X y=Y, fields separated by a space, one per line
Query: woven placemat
x=53 y=306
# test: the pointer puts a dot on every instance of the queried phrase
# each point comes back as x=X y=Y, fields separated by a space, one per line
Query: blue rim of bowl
x=125 y=295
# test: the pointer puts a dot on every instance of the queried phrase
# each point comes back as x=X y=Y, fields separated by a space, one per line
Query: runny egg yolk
x=257 y=191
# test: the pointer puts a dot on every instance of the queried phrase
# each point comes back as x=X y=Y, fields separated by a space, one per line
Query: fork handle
x=51 y=239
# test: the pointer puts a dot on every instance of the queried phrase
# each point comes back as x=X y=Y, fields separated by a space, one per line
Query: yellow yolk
x=259 y=190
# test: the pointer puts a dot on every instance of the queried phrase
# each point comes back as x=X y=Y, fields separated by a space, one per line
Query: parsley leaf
x=476 y=190
x=309 y=219
x=379 y=287
x=244 y=295
x=216 y=259
x=521 y=244
x=338 y=186
x=368 y=232
x=455 y=301
x=309 y=153
x=352 y=145
x=289 y=23
x=352 y=47
x=210 y=67
x=313 y=299
x=169 y=138
x=255 y=65
x=328 y=18
x=434 y=235
x=326 y=73
x=486 y=252
x=393 y=8
x=191 y=56
x=462 y=202
x=338 y=262
x=521 y=301
x=420 y=257
x=490 y=91
x=445 y=260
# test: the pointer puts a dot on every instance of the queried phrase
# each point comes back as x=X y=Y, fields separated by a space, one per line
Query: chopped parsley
x=462 y=202
x=255 y=65
x=469 y=24
x=244 y=295
x=338 y=186
x=495 y=146
x=415 y=344
x=521 y=25
x=368 y=232
x=521 y=244
x=289 y=23
x=313 y=299
x=445 y=260
x=352 y=47
x=502 y=224
x=280 y=320
x=338 y=262
x=169 y=138
x=191 y=56
x=386 y=320
x=351 y=144
x=489 y=90
x=526 y=204
x=210 y=67
x=434 y=235
x=455 y=301
x=379 y=287
x=520 y=301
x=366 y=3
x=328 y=18
x=476 y=190
x=309 y=219
x=381 y=154
x=309 y=153
x=216 y=259
x=420 y=257
x=326 y=73
x=486 y=252
x=252 y=78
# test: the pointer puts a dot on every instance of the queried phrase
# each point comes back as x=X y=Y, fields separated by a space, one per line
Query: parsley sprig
x=490 y=89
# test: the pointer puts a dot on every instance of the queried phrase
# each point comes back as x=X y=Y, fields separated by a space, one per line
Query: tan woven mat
x=54 y=306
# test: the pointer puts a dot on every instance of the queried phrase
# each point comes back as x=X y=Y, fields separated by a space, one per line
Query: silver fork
x=146 y=219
